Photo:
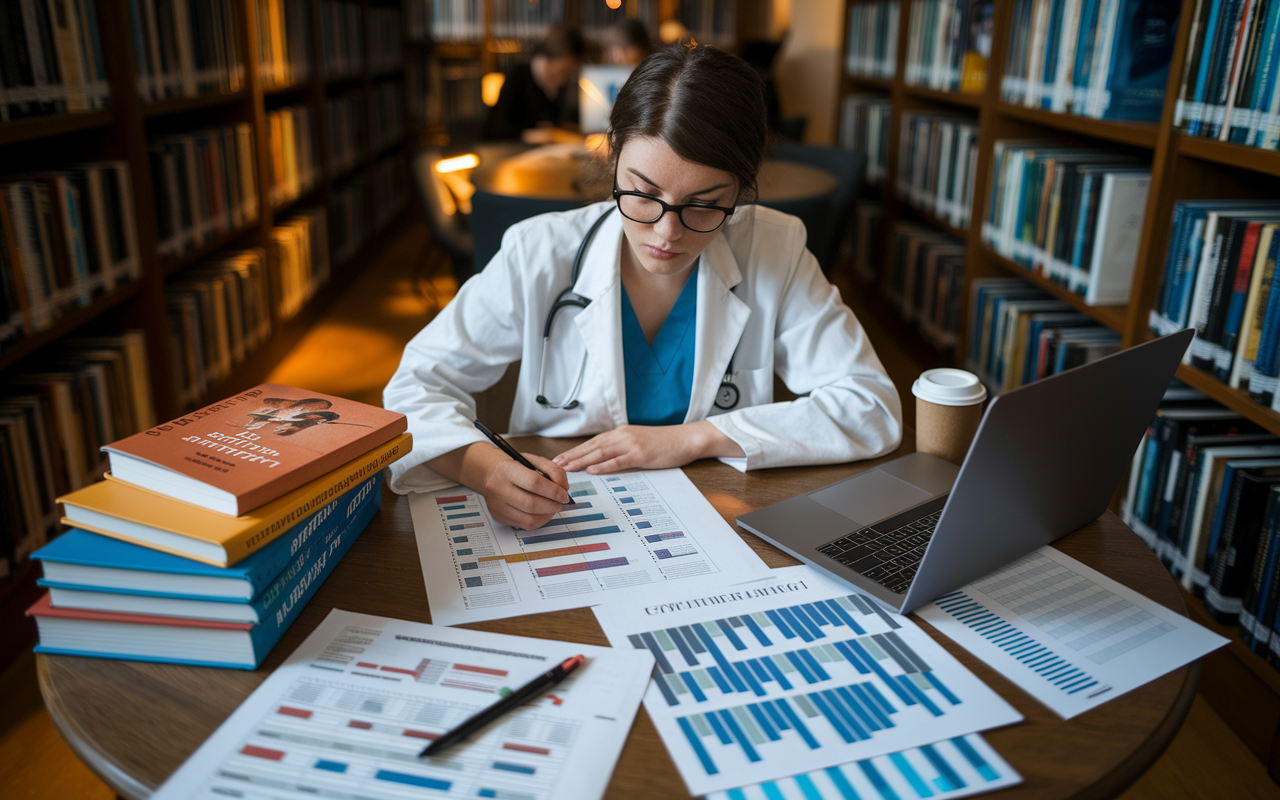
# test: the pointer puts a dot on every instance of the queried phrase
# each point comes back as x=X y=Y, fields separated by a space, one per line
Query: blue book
x=1140 y=57
x=1084 y=52
x=1265 y=84
x=1268 y=360
x=1052 y=45
x=89 y=561
x=1211 y=39
x=202 y=643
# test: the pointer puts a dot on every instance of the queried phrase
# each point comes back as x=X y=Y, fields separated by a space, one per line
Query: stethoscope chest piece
x=726 y=396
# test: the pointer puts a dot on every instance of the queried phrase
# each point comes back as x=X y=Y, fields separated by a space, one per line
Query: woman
x=694 y=302
x=541 y=94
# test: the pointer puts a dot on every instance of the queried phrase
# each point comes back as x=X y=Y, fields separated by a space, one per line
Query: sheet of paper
x=628 y=536
x=761 y=682
x=943 y=770
x=1067 y=634
x=347 y=714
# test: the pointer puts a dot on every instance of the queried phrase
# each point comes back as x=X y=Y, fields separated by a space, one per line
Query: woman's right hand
x=514 y=493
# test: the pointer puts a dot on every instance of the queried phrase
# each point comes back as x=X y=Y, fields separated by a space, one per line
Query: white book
x=1066 y=55
x=1107 y=18
x=1198 y=309
x=1228 y=115
x=1121 y=208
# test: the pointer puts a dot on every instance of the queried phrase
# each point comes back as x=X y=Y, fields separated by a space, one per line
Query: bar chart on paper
x=804 y=679
x=957 y=767
x=347 y=716
x=620 y=532
x=1068 y=635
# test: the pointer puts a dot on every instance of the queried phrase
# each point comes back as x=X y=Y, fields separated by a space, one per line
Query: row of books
x=386 y=115
x=1071 y=214
x=868 y=240
x=390 y=187
x=457 y=20
x=873 y=39
x=300 y=251
x=284 y=42
x=349 y=218
x=204 y=186
x=219 y=312
x=341 y=38
x=295 y=153
x=1019 y=334
x=709 y=21
x=519 y=19
x=348 y=118
x=1230 y=75
x=444 y=89
x=949 y=44
x=596 y=19
x=864 y=128
x=87 y=392
x=1204 y=493
x=924 y=281
x=50 y=59
x=1106 y=60
x=65 y=238
x=386 y=40
x=937 y=163
x=1219 y=278
x=184 y=48
x=214 y=573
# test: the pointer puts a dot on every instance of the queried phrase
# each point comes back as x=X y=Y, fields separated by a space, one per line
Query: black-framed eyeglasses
x=647 y=209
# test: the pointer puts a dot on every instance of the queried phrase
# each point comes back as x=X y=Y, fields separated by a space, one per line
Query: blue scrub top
x=660 y=376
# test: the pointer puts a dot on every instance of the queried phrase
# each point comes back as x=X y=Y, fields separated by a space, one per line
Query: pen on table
x=506 y=447
x=512 y=701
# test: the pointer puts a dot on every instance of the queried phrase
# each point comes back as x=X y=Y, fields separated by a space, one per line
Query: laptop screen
x=598 y=86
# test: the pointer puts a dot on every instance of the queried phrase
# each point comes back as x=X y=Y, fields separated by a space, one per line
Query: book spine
x=1255 y=626
x=1224 y=596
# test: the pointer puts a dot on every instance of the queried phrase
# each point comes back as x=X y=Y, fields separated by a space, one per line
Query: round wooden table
x=563 y=172
x=134 y=723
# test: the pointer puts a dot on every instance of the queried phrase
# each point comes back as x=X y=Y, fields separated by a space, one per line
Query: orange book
x=247 y=450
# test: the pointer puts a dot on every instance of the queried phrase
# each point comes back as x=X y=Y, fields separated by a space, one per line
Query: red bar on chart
x=364 y=726
x=482 y=670
x=262 y=752
x=565 y=569
x=422 y=735
x=288 y=711
x=524 y=748
x=462 y=498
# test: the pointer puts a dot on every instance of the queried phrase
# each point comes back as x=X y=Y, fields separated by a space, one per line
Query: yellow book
x=124 y=511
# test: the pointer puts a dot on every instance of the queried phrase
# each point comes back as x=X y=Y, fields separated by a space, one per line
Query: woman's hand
x=514 y=493
x=648 y=447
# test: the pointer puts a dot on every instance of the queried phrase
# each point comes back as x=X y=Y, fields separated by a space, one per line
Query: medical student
x=678 y=302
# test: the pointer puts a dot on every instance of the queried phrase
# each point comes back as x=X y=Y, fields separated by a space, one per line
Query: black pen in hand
x=512 y=701
x=505 y=446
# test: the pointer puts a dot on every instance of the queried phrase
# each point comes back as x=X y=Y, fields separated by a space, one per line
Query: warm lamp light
x=597 y=144
x=447 y=165
x=614 y=4
x=491 y=87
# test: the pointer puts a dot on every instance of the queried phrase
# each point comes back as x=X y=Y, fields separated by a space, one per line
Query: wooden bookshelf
x=57 y=125
x=1241 y=686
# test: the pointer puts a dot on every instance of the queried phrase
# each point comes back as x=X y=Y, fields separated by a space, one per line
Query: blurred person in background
x=541 y=95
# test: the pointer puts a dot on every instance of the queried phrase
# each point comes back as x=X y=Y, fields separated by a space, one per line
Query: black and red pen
x=512 y=701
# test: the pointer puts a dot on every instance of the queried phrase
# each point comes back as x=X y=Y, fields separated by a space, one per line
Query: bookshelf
x=124 y=130
x=1241 y=686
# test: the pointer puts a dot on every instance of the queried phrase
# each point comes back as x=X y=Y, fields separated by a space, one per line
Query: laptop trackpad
x=870 y=497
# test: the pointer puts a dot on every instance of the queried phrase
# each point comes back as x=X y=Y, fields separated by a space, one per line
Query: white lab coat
x=759 y=290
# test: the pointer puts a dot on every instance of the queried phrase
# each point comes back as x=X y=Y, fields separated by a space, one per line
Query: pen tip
x=573 y=663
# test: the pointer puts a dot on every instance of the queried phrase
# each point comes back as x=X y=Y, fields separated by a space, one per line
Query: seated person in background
x=627 y=43
x=541 y=93
x=686 y=302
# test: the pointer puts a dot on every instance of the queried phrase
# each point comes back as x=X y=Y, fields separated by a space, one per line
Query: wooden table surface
x=134 y=723
x=557 y=172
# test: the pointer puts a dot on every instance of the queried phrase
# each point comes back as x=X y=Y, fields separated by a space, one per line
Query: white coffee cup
x=948 y=410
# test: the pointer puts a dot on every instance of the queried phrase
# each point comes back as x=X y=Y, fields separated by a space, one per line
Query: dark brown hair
x=705 y=104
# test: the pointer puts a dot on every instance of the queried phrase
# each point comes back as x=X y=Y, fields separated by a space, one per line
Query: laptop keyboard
x=890 y=558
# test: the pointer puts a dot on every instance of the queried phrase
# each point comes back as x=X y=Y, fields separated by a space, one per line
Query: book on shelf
x=90 y=391
x=924 y=280
x=514 y=19
x=293 y=141
x=300 y=250
x=246 y=450
x=868 y=240
x=1070 y=214
x=1258 y=609
x=127 y=512
x=949 y=44
x=184 y=48
x=204 y=185
x=1106 y=60
x=458 y=21
x=200 y=642
x=341 y=38
x=873 y=39
x=219 y=313
x=386 y=39
x=284 y=42
x=864 y=128
x=349 y=131
x=1218 y=278
x=937 y=162
x=89 y=571
x=1228 y=87
x=709 y=21
x=348 y=218
x=66 y=237
x=50 y=59
x=1235 y=544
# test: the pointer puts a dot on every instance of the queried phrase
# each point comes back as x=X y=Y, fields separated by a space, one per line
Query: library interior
x=239 y=213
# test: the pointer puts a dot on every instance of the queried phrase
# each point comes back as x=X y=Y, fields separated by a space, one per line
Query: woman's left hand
x=647 y=447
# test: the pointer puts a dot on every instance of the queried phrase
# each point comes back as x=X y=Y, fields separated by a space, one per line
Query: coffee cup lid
x=949 y=387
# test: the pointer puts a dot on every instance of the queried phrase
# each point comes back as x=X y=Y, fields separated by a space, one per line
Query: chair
x=448 y=227
x=850 y=170
x=492 y=214
x=814 y=212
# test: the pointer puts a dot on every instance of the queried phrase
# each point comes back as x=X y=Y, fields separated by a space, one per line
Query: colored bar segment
x=412 y=780
x=509 y=767
x=695 y=742
x=516 y=558
x=559 y=537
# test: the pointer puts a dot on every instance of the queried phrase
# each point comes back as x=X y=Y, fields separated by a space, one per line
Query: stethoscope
x=727 y=395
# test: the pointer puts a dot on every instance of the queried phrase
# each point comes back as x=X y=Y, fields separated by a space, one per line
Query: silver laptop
x=1046 y=460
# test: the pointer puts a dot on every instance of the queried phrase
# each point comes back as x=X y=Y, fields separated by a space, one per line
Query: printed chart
x=755 y=683
x=943 y=770
x=633 y=531
x=1067 y=634
x=346 y=716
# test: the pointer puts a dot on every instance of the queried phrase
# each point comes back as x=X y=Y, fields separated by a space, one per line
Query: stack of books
x=949 y=44
x=284 y=43
x=295 y=153
x=864 y=128
x=52 y=60
x=873 y=39
x=186 y=49
x=299 y=248
x=212 y=531
x=937 y=162
x=205 y=186
x=924 y=280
